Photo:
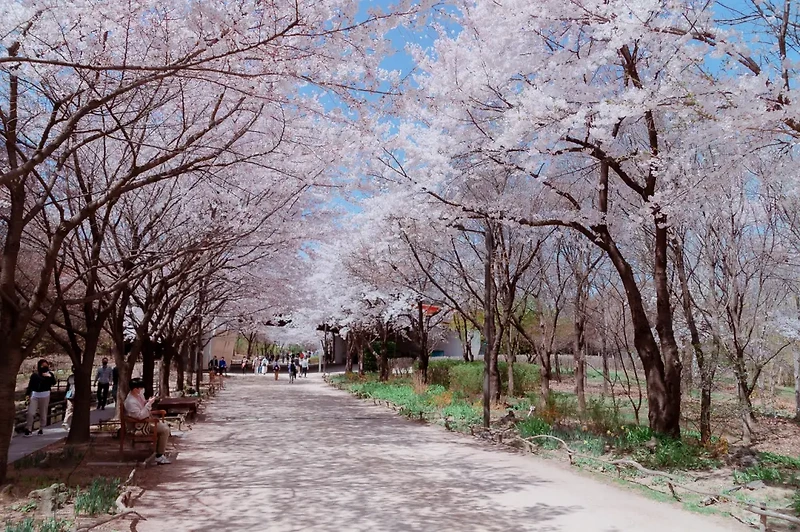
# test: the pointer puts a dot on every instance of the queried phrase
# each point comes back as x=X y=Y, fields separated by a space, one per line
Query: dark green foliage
x=559 y=406
x=779 y=460
x=48 y=525
x=602 y=417
x=439 y=371
x=467 y=378
x=26 y=525
x=631 y=437
x=770 y=475
x=533 y=426
x=370 y=361
x=99 y=499
x=526 y=378
x=670 y=454
x=796 y=502
x=774 y=469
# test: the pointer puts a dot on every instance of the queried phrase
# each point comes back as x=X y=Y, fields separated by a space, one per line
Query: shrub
x=672 y=454
x=632 y=437
x=370 y=361
x=526 y=377
x=439 y=370
x=467 y=378
x=601 y=417
x=533 y=426
x=559 y=406
x=796 y=502
x=99 y=499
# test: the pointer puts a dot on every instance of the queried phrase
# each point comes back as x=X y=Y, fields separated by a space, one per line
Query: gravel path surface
x=275 y=456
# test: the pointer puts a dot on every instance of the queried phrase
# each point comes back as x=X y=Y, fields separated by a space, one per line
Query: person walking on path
x=304 y=365
x=264 y=366
x=103 y=379
x=223 y=367
x=138 y=408
x=69 y=397
x=292 y=371
x=38 y=390
x=277 y=369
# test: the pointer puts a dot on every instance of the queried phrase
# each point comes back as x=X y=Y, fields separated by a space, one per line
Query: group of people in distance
x=296 y=364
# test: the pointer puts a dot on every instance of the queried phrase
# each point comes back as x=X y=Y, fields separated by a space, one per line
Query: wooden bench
x=138 y=430
x=179 y=409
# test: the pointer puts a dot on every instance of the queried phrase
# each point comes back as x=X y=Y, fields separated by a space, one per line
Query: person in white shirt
x=304 y=364
x=137 y=407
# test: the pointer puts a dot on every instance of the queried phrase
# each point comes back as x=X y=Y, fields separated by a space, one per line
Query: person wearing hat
x=137 y=407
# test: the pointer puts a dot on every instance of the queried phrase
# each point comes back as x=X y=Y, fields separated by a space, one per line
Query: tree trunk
x=351 y=350
x=707 y=367
x=8 y=381
x=489 y=365
x=557 y=367
x=664 y=409
x=510 y=390
x=383 y=361
x=148 y=368
x=797 y=384
x=604 y=355
x=423 y=344
x=180 y=366
x=166 y=366
x=746 y=414
x=80 y=429
x=578 y=353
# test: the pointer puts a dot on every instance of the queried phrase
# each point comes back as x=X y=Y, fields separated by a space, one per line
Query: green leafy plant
x=26 y=525
x=672 y=454
x=25 y=508
x=55 y=525
x=533 y=426
x=99 y=498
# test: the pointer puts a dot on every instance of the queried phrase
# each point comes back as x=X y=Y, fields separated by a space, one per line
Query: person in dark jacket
x=39 y=393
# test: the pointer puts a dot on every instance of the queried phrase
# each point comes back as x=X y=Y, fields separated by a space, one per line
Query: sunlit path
x=275 y=456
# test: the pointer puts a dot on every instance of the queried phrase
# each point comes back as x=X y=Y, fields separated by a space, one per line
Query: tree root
x=86 y=528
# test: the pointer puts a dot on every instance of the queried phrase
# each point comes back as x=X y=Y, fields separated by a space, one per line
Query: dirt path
x=275 y=456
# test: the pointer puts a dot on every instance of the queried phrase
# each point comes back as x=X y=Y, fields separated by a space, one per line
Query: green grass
x=773 y=469
x=55 y=525
x=99 y=498
x=26 y=525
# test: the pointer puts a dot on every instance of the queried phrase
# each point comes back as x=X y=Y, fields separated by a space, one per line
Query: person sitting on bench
x=137 y=407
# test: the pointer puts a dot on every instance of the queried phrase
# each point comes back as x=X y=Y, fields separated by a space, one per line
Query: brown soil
x=76 y=468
